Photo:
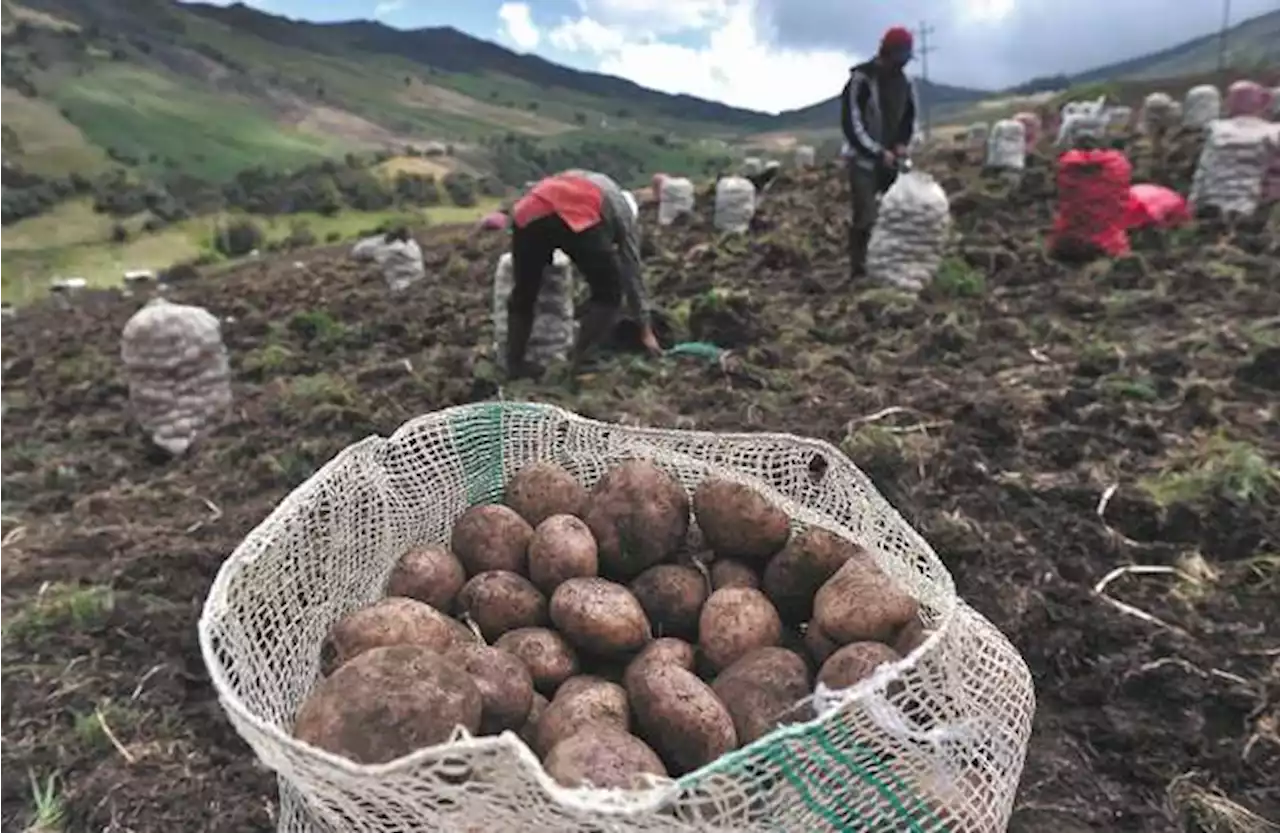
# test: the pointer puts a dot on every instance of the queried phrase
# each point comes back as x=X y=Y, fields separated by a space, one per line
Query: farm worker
x=878 y=118
x=588 y=217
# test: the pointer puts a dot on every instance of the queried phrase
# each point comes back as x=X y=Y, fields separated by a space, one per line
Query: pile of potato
x=591 y=624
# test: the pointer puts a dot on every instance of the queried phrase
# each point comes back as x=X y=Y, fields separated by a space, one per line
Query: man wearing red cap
x=878 y=117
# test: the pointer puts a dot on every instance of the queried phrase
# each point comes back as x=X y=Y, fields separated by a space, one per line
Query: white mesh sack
x=1275 y=103
x=752 y=165
x=1201 y=105
x=933 y=742
x=1118 y=119
x=675 y=198
x=1157 y=113
x=1233 y=164
x=400 y=260
x=1078 y=126
x=910 y=233
x=366 y=250
x=806 y=156
x=735 y=203
x=178 y=373
x=1007 y=145
x=976 y=134
x=554 y=326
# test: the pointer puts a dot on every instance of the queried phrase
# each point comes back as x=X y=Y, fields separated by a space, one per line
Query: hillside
x=1252 y=43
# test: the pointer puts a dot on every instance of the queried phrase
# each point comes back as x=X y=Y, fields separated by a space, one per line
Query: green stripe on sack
x=479 y=432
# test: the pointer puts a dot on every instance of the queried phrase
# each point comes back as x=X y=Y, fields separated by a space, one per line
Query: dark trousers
x=591 y=250
x=865 y=185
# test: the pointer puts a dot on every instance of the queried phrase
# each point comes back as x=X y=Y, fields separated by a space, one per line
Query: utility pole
x=926 y=94
x=1222 y=36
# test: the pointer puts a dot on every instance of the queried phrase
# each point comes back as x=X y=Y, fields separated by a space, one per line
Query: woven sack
x=933 y=742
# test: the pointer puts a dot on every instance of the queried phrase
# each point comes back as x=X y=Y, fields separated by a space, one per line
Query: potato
x=603 y=756
x=506 y=688
x=529 y=731
x=577 y=683
x=489 y=538
x=861 y=604
x=854 y=663
x=388 y=702
x=725 y=572
x=639 y=516
x=562 y=548
x=681 y=717
x=736 y=621
x=430 y=574
x=598 y=616
x=761 y=691
x=820 y=647
x=667 y=651
x=499 y=601
x=394 y=621
x=672 y=596
x=550 y=659
x=911 y=636
x=540 y=490
x=599 y=703
x=737 y=522
x=795 y=574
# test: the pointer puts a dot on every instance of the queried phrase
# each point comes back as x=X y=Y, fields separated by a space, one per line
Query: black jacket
x=861 y=118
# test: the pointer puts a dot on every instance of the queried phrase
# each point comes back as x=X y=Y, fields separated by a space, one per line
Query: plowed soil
x=1041 y=424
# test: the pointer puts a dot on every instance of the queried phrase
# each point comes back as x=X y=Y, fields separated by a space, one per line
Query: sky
x=774 y=55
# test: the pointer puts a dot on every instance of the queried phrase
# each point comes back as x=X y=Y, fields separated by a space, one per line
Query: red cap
x=895 y=39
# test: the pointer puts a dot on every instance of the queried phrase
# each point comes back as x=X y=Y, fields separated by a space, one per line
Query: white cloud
x=737 y=64
x=386 y=7
x=518 y=25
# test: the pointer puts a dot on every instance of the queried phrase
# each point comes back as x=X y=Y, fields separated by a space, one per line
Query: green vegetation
x=1222 y=469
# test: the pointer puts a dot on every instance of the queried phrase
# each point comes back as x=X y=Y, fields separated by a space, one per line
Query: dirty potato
x=681 y=717
x=431 y=574
x=912 y=636
x=540 y=490
x=854 y=663
x=529 y=731
x=819 y=646
x=639 y=516
x=805 y=563
x=506 y=688
x=562 y=548
x=862 y=604
x=603 y=756
x=761 y=691
x=599 y=617
x=394 y=621
x=489 y=538
x=672 y=597
x=737 y=522
x=499 y=601
x=388 y=702
x=734 y=622
x=667 y=651
x=601 y=702
x=726 y=572
x=549 y=657
x=577 y=683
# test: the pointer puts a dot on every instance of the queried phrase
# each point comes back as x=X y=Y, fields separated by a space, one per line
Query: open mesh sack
x=941 y=749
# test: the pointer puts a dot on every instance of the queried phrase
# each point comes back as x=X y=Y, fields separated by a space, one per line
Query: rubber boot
x=519 y=328
x=596 y=323
x=858 y=240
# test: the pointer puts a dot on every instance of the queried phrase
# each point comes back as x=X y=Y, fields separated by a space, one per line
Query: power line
x=926 y=96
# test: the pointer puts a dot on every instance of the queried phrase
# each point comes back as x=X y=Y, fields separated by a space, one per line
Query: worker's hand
x=889 y=158
x=650 y=341
x=900 y=152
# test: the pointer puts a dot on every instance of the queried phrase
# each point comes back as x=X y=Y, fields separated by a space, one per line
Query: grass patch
x=48 y=811
x=60 y=606
x=301 y=393
x=1233 y=470
x=162 y=121
x=957 y=279
x=48 y=144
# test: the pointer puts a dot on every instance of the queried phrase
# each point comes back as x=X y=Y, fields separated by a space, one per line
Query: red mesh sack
x=494 y=221
x=1247 y=98
x=658 y=179
x=1155 y=205
x=1093 y=202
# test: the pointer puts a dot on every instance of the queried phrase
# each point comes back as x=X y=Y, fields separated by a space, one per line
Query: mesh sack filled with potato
x=508 y=617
